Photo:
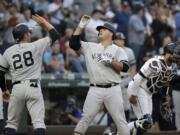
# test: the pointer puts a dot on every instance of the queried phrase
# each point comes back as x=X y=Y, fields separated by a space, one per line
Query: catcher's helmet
x=176 y=54
x=19 y=31
x=169 y=48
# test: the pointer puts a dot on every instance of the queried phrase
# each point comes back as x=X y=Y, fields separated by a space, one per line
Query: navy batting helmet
x=119 y=35
x=19 y=31
x=176 y=54
x=108 y=26
x=169 y=48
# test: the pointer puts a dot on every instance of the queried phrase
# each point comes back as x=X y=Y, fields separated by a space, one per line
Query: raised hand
x=40 y=20
x=84 y=21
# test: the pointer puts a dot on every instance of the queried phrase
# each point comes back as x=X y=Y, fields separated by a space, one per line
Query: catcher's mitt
x=166 y=112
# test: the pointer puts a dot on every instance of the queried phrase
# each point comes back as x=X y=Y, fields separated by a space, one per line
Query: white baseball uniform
x=125 y=77
x=104 y=88
x=153 y=75
x=24 y=62
x=1 y=105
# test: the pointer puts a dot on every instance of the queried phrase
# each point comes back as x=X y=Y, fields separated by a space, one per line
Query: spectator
x=64 y=39
x=27 y=15
x=72 y=113
x=87 y=6
x=136 y=31
x=55 y=13
x=177 y=21
x=13 y=18
x=160 y=29
x=3 y=22
x=41 y=5
x=74 y=61
x=54 y=60
x=68 y=3
x=109 y=17
x=122 y=18
x=147 y=51
x=96 y=20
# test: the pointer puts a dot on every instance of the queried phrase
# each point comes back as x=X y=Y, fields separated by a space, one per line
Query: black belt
x=31 y=81
x=105 y=85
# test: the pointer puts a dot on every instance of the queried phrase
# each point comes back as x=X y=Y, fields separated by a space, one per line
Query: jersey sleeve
x=135 y=84
x=121 y=55
x=4 y=66
x=131 y=58
x=84 y=46
x=43 y=43
x=149 y=68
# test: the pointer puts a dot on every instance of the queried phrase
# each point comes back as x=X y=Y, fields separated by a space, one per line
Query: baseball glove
x=165 y=111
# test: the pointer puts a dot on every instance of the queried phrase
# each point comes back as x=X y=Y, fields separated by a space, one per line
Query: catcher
x=154 y=75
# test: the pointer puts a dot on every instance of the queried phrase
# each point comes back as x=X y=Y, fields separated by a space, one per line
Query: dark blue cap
x=106 y=26
x=119 y=35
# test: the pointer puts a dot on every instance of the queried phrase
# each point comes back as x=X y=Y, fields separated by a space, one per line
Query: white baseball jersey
x=98 y=72
x=156 y=74
x=125 y=78
x=24 y=60
x=130 y=55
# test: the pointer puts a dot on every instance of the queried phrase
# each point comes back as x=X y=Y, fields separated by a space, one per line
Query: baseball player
x=176 y=87
x=23 y=60
x=4 y=95
x=2 y=123
x=154 y=75
x=126 y=77
x=104 y=62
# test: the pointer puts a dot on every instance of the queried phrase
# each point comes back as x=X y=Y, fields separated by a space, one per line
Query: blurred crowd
x=148 y=25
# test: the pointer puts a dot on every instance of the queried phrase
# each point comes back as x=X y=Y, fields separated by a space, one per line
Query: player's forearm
x=117 y=66
x=132 y=70
x=48 y=26
x=78 y=31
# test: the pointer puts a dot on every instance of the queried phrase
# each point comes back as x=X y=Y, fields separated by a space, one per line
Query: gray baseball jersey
x=1 y=105
x=24 y=60
x=130 y=55
x=99 y=73
x=131 y=61
x=102 y=74
x=125 y=77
